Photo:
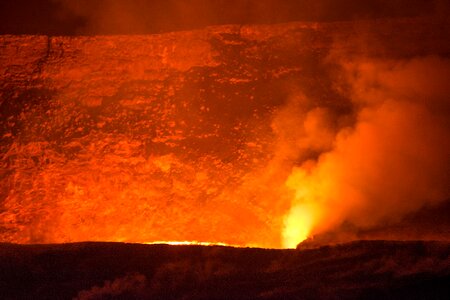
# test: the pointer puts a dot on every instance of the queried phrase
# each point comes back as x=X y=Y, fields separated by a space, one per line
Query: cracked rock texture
x=156 y=137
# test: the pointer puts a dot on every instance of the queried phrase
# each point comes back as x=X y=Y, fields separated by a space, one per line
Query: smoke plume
x=393 y=161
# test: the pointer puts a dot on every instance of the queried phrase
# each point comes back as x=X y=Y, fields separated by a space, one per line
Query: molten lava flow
x=194 y=243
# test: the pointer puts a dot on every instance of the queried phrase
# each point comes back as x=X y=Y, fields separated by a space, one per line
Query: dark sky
x=89 y=17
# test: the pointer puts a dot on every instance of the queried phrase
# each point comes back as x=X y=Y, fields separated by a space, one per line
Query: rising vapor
x=393 y=161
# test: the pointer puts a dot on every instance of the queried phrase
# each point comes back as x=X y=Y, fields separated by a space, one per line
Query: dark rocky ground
x=357 y=270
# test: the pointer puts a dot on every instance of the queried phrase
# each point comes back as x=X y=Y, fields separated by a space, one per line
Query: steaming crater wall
x=159 y=137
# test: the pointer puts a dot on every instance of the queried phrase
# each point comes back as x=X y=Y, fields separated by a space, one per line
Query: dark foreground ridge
x=362 y=269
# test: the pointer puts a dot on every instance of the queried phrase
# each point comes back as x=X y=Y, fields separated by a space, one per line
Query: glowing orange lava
x=194 y=243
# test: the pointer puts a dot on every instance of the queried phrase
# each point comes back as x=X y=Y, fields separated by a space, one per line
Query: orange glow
x=372 y=171
x=298 y=225
x=304 y=213
x=194 y=243
x=236 y=135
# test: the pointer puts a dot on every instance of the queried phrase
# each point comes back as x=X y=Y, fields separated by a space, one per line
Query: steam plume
x=393 y=161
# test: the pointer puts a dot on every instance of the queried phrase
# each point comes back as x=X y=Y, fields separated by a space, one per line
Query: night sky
x=65 y=17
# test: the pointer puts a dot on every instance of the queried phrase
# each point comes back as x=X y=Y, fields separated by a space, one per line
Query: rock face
x=168 y=137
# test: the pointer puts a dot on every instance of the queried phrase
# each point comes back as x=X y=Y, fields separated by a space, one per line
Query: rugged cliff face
x=172 y=136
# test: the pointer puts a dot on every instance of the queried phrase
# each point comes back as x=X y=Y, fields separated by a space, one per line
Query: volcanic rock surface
x=358 y=270
x=165 y=137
